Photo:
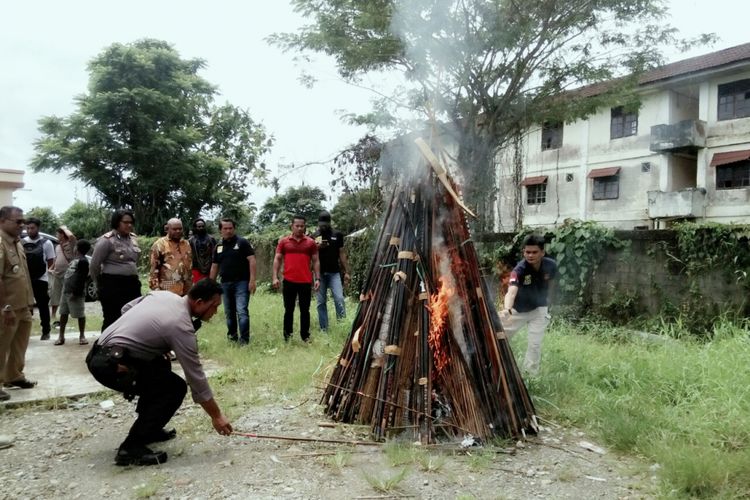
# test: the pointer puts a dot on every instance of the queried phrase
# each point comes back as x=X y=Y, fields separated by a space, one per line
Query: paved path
x=60 y=371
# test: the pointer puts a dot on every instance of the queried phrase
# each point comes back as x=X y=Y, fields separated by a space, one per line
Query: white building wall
x=587 y=146
x=725 y=205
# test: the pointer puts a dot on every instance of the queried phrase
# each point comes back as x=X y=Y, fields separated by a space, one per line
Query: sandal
x=59 y=341
x=82 y=341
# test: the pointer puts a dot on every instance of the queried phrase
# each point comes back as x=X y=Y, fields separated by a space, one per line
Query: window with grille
x=536 y=194
x=733 y=175
x=552 y=135
x=607 y=188
x=623 y=124
x=734 y=100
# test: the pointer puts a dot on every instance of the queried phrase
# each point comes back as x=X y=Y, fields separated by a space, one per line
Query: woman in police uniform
x=114 y=266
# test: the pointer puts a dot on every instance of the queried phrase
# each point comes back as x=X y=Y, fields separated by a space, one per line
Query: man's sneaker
x=21 y=384
x=162 y=435
x=4 y=396
x=139 y=455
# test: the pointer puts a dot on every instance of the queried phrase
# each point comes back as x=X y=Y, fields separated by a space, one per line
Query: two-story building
x=684 y=154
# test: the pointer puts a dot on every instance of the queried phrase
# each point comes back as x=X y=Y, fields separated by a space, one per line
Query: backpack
x=35 y=258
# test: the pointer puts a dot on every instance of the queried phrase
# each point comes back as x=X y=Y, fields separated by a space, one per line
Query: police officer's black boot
x=138 y=454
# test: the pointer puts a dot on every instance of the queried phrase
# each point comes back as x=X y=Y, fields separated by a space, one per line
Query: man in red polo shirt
x=297 y=251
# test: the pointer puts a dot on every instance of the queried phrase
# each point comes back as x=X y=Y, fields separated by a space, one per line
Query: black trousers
x=41 y=297
x=160 y=391
x=291 y=291
x=114 y=292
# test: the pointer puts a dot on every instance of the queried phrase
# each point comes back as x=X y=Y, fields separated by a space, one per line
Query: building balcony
x=686 y=203
x=684 y=136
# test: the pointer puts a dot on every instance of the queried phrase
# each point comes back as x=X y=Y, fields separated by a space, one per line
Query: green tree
x=488 y=68
x=357 y=171
x=50 y=221
x=278 y=210
x=86 y=220
x=357 y=210
x=147 y=136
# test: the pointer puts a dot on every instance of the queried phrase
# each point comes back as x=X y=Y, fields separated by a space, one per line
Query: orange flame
x=438 y=322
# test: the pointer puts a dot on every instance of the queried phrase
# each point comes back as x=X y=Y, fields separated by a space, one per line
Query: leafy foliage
x=86 y=220
x=707 y=251
x=359 y=251
x=147 y=136
x=357 y=172
x=357 y=210
x=50 y=221
x=713 y=246
x=277 y=211
x=357 y=167
x=579 y=247
x=487 y=67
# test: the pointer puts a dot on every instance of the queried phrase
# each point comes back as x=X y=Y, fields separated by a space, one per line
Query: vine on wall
x=579 y=247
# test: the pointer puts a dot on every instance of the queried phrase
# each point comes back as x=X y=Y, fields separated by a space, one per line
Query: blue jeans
x=236 y=298
x=332 y=281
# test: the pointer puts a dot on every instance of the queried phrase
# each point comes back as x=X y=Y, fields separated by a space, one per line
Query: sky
x=45 y=46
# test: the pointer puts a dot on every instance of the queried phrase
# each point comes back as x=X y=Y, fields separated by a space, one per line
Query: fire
x=438 y=321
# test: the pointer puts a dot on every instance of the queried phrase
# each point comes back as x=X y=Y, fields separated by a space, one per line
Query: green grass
x=388 y=483
x=269 y=369
x=684 y=404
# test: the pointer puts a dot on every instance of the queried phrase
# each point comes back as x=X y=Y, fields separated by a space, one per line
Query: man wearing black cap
x=332 y=263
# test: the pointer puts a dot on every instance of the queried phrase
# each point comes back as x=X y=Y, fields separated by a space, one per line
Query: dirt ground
x=68 y=452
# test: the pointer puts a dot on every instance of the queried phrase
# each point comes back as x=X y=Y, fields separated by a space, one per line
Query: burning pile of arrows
x=427 y=354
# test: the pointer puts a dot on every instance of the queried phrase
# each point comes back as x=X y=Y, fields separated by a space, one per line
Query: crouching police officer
x=131 y=357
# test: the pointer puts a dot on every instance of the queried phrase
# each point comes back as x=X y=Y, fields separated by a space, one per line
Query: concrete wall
x=646 y=269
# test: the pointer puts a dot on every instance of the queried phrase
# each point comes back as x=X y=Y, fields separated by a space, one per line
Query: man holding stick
x=131 y=357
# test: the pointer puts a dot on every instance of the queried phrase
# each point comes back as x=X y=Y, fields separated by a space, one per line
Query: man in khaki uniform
x=16 y=302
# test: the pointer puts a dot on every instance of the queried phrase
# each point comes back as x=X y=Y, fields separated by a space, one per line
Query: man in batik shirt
x=171 y=261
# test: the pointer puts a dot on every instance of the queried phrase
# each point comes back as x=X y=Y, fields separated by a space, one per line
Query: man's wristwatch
x=7 y=308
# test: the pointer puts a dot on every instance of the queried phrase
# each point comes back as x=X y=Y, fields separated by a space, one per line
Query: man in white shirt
x=40 y=255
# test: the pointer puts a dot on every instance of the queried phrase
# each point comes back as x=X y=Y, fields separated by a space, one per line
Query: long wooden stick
x=309 y=440
x=424 y=148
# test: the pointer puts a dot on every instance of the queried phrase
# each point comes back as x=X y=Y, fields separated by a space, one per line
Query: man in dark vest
x=40 y=257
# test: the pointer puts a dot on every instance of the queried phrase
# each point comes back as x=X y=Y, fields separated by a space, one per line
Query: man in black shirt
x=332 y=263
x=527 y=298
x=234 y=261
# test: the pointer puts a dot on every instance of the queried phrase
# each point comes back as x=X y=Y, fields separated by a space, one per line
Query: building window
x=536 y=194
x=536 y=189
x=552 y=135
x=733 y=175
x=607 y=188
x=734 y=100
x=623 y=124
